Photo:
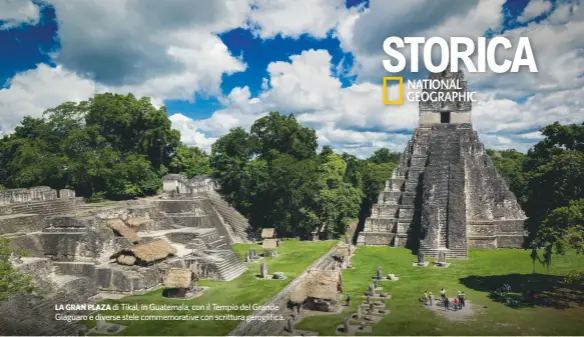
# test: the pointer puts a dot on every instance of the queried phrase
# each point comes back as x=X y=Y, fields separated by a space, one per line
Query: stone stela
x=445 y=195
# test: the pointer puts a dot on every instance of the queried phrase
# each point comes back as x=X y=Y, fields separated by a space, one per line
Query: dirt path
x=464 y=314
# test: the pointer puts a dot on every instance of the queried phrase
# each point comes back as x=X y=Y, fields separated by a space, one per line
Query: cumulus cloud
x=534 y=9
x=353 y=119
x=165 y=52
x=557 y=45
x=270 y=18
x=14 y=13
x=363 y=33
x=128 y=42
x=32 y=92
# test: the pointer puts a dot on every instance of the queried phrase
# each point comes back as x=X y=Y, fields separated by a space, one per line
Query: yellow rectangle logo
x=400 y=81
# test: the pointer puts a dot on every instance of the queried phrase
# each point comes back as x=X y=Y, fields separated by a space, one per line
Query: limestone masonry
x=81 y=253
x=445 y=194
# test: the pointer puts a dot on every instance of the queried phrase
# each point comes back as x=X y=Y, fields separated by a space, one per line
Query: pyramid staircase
x=394 y=215
x=238 y=223
x=444 y=166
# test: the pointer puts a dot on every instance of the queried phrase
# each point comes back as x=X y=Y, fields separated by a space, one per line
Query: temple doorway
x=445 y=117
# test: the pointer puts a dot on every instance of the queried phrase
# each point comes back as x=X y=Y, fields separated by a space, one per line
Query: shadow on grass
x=549 y=290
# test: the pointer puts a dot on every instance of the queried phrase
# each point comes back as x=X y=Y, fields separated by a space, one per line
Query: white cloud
x=189 y=132
x=171 y=52
x=317 y=18
x=534 y=9
x=353 y=119
x=14 y=13
x=364 y=35
x=165 y=51
x=127 y=42
x=31 y=92
x=557 y=44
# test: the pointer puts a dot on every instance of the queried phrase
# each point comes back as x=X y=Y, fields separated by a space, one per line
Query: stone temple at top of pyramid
x=445 y=195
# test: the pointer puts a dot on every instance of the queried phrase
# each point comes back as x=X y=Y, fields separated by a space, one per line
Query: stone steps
x=218 y=244
x=230 y=267
x=45 y=208
x=458 y=252
x=197 y=244
x=238 y=223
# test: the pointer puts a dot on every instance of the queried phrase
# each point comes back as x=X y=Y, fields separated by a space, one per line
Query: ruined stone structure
x=445 y=195
x=204 y=190
x=78 y=252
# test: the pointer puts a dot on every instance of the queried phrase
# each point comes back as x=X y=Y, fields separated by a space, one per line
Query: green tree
x=230 y=156
x=339 y=201
x=133 y=125
x=276 y=133
x=563 y=228
x=510 y=165
x=90 y=146
x=132 y=177
x=384 y=156
x=11 y=280
x=552 y=184
x=190 y=161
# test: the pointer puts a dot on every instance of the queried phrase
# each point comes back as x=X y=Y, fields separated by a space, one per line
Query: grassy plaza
x=559 y=312
x=294 y=257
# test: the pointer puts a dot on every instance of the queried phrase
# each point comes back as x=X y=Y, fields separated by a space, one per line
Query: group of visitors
x=457 y=303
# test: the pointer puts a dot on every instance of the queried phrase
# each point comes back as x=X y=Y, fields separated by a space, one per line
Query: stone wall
x=21 y=223
x=442 y=105
x=488 y=195
x=176 y=183
x=134 y=280
x=34 y=313
x=376 y=238
x=40 y=193
x=496 y=234
x=443 y=217
x=433 y=117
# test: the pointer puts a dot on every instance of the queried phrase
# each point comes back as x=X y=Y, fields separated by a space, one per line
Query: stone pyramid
x=445 y=194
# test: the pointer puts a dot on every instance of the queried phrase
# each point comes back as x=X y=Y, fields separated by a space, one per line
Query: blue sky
x=260 y=55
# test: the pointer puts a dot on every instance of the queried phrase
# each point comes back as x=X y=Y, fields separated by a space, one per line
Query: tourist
x=443 y=294
x=462 y=299
x=348 y=300
x=459 y=295
x=446 y=303
x=426 y=297
x=455 y=303
x=431 y=297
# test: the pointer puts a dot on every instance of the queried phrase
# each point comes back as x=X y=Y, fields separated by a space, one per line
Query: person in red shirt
x=455 y=302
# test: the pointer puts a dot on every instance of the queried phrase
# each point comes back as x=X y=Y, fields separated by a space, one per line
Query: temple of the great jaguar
x=81 y=253
x=445 y=195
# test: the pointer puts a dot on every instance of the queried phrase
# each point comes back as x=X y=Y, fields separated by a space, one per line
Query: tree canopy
x=275 y=177
x=549 y=182
x=112 y=146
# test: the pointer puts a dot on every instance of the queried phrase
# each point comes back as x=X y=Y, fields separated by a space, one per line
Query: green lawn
x=485 y=270
x=295 y=257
